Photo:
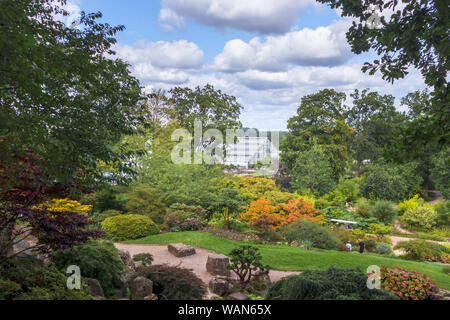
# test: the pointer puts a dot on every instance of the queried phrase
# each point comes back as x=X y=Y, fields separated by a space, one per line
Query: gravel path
x=196 y=262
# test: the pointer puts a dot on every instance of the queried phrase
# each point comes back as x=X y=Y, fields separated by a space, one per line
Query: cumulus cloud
x=162 y=61
x=323 y=46
x=266 y=17
x=169 y=19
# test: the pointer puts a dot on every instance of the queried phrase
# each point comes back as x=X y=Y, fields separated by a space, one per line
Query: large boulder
x=96 y=288
x=180 y=250
x=22 y=249
x=238 y=296
x=219 y=286
x=217 y=265
x=126 y=259
x=141 y=287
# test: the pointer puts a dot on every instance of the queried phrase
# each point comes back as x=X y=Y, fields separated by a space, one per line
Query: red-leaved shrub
x=408 y=285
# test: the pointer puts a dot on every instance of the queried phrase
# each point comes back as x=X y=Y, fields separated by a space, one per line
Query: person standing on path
x=361 y=246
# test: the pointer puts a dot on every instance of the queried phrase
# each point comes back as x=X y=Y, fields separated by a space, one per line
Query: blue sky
x=267 y=53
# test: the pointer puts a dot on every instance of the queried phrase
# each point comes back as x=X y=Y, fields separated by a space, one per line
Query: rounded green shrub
x=302 y=230
x=96 y=259
x=420 y=250
x=419 y=218
x=129 y=226
x=383 y=211
x=383 y=248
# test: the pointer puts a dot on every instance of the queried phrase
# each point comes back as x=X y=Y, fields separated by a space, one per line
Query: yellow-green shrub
x=412 y=203
x=63 y=205
x=419 y=218
x=129 y=226
x=379 y=229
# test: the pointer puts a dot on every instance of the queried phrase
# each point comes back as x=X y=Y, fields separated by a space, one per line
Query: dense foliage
x=97 y=260
x=302 y=230
x=332 y=284
x=174 y=283
x=28 y=279
x=408 y=285
x=129 y=226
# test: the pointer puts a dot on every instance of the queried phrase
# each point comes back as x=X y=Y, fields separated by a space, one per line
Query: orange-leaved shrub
x=263 y=215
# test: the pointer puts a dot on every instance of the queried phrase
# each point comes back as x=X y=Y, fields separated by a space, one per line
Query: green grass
x=283 y=257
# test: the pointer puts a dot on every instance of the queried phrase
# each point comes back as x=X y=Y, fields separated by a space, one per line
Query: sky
x=266 y=53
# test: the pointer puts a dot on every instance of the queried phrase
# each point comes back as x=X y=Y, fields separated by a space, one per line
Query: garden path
x=196 y=262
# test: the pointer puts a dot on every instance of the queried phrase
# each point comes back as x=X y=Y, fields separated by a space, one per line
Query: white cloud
x=268 y=16
x=323 y=46
x=168 y=19
x=176 y=54
x=165 y=62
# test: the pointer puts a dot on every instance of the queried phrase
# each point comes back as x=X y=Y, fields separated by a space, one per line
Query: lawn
x=283 y=257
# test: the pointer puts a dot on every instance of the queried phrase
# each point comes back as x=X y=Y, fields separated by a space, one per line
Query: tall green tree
x=320 y=120
x=214 y=108
x=313 y=171
x=373 y=119
x=61 y=92
x=416 y=35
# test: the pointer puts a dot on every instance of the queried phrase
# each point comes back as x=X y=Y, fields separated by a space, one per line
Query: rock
x=262 y=276
x=96 y=287
x=180 y=249
x=219 y=286
x=151 y=297
x=303 y=246
x=140 y=288
x=23 y=247
x=126 y=259
x=238 y=296
x=217 y=265
x=294 y=244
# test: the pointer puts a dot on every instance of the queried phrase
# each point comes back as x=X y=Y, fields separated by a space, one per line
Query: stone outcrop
x=238 y=296
x=126 y=259
x=180 y=250
x=217 y=265
x=96 y=288
x=219 y=286
x=140 y=288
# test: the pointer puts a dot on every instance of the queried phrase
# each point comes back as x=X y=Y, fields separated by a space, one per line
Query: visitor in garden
x=361 y=246
x=349 y=246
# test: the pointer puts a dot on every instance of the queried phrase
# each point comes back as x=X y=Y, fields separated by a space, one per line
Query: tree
x=319 y=120
x=415 y=35
x=313 y=171
x=244 y=261
x=215 y=109
x=372 y=118
x=23 y=186
x=440 y=173
x=60 y=93
x=143 y=199
x=228 y=201
x=385 y=181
